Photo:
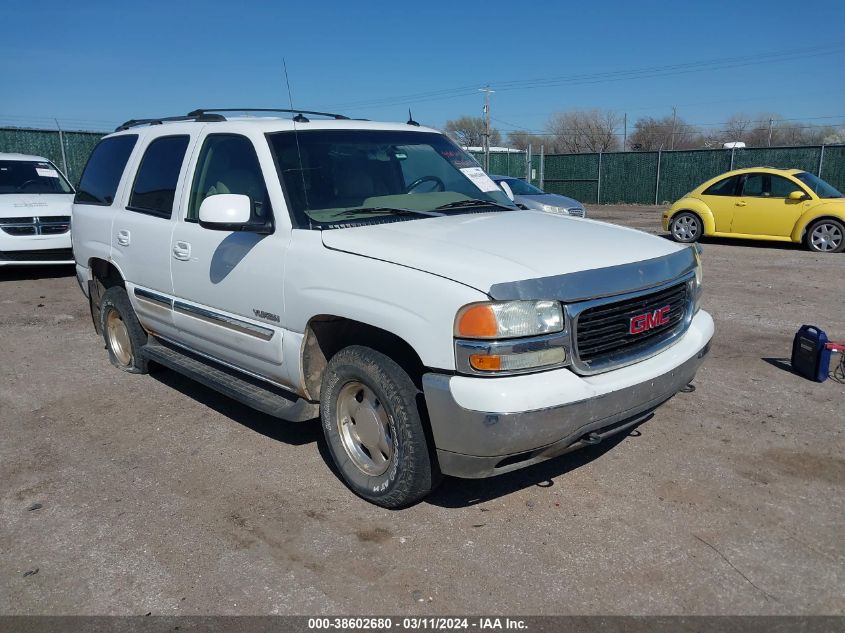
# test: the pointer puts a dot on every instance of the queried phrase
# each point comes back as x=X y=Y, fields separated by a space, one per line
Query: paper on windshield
x=46 y=173
x=479 y=178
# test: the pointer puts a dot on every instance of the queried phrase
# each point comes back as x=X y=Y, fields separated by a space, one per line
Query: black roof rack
x=212 y=114
x=299 y=113
x=190 y=117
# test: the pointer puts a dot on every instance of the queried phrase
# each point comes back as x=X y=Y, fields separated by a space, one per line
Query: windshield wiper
x=472 y=202
x=389 y=210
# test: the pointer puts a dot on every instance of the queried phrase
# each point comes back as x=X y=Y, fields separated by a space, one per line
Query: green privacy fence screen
x=660 y=177
x=77 y=145
x=615 y=177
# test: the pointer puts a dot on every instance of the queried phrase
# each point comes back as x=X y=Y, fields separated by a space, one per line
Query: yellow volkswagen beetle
x=762 y=203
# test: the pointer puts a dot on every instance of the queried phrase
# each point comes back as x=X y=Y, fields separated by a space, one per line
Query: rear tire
x=122 y=332
x=825 y=236
x=373 y=427
x=686 y=227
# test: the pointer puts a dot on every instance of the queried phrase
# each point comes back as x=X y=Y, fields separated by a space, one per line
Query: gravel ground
x=128 y=494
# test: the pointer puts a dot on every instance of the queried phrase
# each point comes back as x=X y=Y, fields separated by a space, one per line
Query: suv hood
x=483 y=249
x=34 y=204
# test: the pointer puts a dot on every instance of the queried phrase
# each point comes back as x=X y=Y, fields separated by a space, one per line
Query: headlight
x=532 y=336
x=548 y=208
x=697 y=282
x=508 y=319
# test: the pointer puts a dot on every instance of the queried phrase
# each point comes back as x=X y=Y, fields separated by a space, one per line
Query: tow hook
x=592 y=438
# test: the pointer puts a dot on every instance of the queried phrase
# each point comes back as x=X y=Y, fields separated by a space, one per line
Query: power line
x=590 y=78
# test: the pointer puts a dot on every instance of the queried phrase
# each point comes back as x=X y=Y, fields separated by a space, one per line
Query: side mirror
x=230 y=212
x=507 y=189
x=798 y=196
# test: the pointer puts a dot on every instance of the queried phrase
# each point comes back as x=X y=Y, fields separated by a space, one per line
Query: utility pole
x=625 y=132
x=672 y=139
x=771 y=122
x=486 y=90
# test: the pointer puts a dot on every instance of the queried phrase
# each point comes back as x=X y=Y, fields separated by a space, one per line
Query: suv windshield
x=27 y=176
x=819 y=186
x=522 y=188
x=334 y=177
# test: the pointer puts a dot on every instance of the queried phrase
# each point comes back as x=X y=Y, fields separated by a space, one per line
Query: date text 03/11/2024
x=414 y=623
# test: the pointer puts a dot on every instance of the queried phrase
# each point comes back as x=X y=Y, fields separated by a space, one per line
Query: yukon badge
x=650 y=320
x=267 y=316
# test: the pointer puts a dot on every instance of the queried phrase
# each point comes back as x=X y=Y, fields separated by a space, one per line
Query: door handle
x=123 y=237
x=182 y=251
x=741 y=203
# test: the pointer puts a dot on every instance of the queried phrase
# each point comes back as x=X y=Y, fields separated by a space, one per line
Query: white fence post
x=598 y=184
x=62 y=145
x=542 y=165
x=657 y=179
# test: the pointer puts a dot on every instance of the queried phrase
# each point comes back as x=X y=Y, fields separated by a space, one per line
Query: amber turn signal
x=477 y=321
x=484 y=362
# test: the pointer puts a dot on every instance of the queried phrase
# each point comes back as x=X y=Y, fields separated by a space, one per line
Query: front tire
x=122 y=332
x=686 y=227
x=825 y=236
x=373 y=427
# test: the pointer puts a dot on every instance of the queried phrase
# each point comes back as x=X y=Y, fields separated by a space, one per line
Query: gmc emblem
x=650 y=320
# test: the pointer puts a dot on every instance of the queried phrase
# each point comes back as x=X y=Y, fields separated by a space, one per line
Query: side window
x=782 y=187
x=155 y=184
x=228 y=164
x=754 y=185
x=726 y=187
x=103 y=170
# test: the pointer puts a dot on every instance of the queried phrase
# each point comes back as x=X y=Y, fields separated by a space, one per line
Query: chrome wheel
x=685 y=228
x=826 y=237
x=118 y=338
x=364 y=428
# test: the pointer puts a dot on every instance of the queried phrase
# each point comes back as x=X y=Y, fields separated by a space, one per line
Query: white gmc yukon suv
x=373 y=275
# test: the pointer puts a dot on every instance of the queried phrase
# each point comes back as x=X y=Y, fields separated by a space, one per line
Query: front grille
x=603 y=332
x=19 y=230
x=45 y=255
x=40 y=225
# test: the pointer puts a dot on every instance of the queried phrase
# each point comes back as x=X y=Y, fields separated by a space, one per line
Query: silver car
x=531 y=197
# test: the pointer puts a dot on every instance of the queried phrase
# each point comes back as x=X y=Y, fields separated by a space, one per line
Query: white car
x=373 y=275
x=35 y=204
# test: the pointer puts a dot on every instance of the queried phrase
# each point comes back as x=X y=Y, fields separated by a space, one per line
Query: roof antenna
x=411 y=119
x=298 y=119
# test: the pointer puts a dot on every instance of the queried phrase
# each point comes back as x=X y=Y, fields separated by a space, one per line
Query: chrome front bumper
x=475 y=444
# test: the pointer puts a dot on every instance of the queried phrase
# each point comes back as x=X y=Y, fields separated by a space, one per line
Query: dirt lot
x=157 y=495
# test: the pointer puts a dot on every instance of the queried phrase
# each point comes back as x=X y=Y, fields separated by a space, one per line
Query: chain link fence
x=48 y=143
x=604 y=178
x=660 y=177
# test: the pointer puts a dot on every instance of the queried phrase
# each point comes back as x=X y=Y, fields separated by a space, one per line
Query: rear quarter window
x=726 y=187
x=103 y=170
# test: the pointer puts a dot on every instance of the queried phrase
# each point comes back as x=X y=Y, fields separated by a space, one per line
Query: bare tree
x=469 y=131
x=585 y=131
x=770 y=129
x=652 y=134
x=835 y=136
x=737 y=128
x=521 y=140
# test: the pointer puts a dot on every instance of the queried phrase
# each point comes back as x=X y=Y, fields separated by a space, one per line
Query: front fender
x=696 y=206
x=416 y=306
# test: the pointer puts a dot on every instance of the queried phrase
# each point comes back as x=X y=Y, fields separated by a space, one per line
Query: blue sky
x=95 y=64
